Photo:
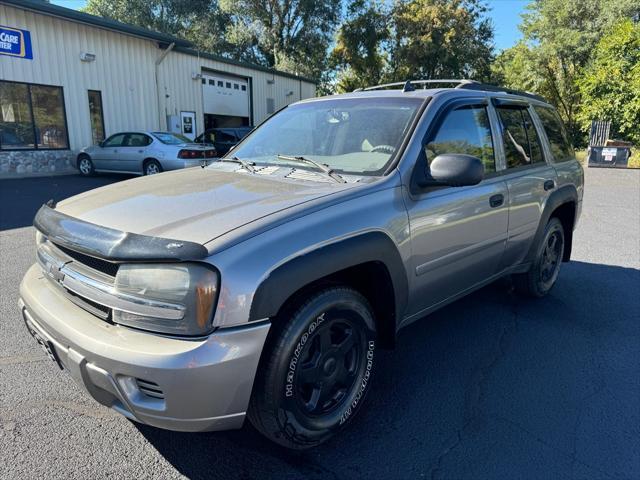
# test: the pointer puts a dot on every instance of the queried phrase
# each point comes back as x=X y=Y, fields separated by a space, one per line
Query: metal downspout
x=159 y=60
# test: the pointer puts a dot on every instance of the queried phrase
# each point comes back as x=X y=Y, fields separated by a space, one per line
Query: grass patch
x=581 y=155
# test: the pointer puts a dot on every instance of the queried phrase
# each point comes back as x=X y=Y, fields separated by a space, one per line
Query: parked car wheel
x=316 y=370
x=85 y=165
x=151 y=167
x=542 y=276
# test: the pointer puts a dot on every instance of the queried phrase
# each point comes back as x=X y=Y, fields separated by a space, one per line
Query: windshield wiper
x=246 y=165
x=326 y=169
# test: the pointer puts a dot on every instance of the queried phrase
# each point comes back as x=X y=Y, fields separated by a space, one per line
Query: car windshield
x=171 y=138
x=356 y=135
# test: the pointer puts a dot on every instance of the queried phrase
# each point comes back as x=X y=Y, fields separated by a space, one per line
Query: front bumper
x=177 y=384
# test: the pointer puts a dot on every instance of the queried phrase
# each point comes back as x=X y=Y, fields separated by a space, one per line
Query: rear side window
x=519 y=137
x=225 y=137
x=137 y=140
x=464 y=130
x=561 y=148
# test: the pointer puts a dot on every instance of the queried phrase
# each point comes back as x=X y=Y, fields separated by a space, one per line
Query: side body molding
x=564 y=194
x=110 y=244
x=288 y=278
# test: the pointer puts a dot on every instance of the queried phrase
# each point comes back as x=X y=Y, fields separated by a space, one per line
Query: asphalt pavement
x=493 y=386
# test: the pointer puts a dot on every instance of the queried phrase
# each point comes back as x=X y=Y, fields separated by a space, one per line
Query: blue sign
x=15 y=42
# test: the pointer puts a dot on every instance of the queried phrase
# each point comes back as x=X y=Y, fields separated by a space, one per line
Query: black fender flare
x=288 y=278
x=565 y=194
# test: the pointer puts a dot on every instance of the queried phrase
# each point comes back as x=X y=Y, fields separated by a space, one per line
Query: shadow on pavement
x=492 y=386
x=21 y=198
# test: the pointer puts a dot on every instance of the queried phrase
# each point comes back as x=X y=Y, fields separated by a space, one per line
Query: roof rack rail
x=493 y=88
x=408 y=85
x=462 y=83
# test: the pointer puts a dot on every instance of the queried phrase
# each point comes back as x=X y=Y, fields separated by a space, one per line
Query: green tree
x=559 y=38
x=441 y=39
x=358 y=57
x=199 y=21
x=610 y=84
x=291 y=35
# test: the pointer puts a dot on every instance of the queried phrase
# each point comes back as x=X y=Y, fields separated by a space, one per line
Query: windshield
x=356 y=135
x=171 y=138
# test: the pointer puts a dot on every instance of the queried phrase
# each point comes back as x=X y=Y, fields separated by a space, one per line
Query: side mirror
x=101 y=144
x=456 y=170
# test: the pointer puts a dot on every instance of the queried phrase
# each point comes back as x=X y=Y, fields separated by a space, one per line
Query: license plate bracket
x=45 y=344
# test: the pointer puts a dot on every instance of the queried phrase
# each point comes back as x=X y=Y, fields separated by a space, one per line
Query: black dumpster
x=610 y=157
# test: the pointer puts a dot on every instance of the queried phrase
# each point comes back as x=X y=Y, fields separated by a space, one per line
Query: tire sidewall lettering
x=363 y=384
x=293 y=362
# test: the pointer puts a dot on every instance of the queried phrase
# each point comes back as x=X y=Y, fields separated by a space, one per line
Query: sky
x=504 y=13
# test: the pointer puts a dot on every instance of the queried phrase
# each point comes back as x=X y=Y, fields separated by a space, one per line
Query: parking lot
x=492 y=386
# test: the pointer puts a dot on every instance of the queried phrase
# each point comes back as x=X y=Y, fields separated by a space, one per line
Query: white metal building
x=69 y=79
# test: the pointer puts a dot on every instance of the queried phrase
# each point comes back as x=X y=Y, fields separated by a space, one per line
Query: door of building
x=188 y=124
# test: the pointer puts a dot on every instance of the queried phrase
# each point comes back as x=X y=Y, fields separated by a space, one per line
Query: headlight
x=167 y=298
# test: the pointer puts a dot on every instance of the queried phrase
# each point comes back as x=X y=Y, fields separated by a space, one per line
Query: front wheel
x=85 y=165
x=542 y=276
x=316 y=370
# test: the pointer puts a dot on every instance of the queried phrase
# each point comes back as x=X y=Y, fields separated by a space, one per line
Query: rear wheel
x=85 y=165
x=316 y=369
x=151 y=167
x=542 y=276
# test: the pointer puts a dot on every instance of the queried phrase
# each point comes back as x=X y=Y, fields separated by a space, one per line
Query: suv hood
x=194 y=204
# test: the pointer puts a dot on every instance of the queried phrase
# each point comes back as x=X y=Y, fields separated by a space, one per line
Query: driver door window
x=105 y=156
x=114 y=141
x=465 y=130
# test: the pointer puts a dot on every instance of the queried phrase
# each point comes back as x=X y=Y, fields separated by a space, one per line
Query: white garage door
x=225 y=95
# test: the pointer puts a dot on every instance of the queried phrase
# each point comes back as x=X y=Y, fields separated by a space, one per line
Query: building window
x=236 y=86
x=228 y=84
x=220 y=83
x=96 y=116
x=204 y=81
x=32 y=117
x=244 y=88
x=211 y=82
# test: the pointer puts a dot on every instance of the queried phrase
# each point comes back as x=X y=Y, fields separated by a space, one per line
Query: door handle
x=549 y=185
x=496 y=200
x=140 y=151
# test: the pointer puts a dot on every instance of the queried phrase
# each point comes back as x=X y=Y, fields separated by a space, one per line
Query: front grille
x=108 y=268
x=90 y=306
x=151 y=389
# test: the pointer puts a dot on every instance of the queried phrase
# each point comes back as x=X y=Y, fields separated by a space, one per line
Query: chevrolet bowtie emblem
x=55 y=272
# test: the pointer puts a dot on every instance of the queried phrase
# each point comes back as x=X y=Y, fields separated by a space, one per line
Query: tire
x=542 y=275
x=151 y=167
x=85 y=165
x=316 y=369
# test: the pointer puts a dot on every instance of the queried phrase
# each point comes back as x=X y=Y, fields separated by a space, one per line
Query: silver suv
x=262 y=285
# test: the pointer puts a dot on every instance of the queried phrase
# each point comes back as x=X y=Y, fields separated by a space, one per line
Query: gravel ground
x=493 y=386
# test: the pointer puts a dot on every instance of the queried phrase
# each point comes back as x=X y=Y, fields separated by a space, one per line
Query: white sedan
x=143 y=153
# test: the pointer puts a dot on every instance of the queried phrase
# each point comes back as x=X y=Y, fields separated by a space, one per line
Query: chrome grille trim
x=99 y=288
x=108 y=296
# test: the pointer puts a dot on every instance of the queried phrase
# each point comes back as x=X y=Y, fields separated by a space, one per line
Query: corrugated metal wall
x=124 y=71
x=185 y=93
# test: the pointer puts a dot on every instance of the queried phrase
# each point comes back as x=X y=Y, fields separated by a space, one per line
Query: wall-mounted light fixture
x=196 y=76
x=87 y=57
x=289 y=93
x=270 y=81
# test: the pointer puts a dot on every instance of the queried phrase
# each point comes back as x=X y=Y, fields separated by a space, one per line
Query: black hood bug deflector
x=110 y=244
